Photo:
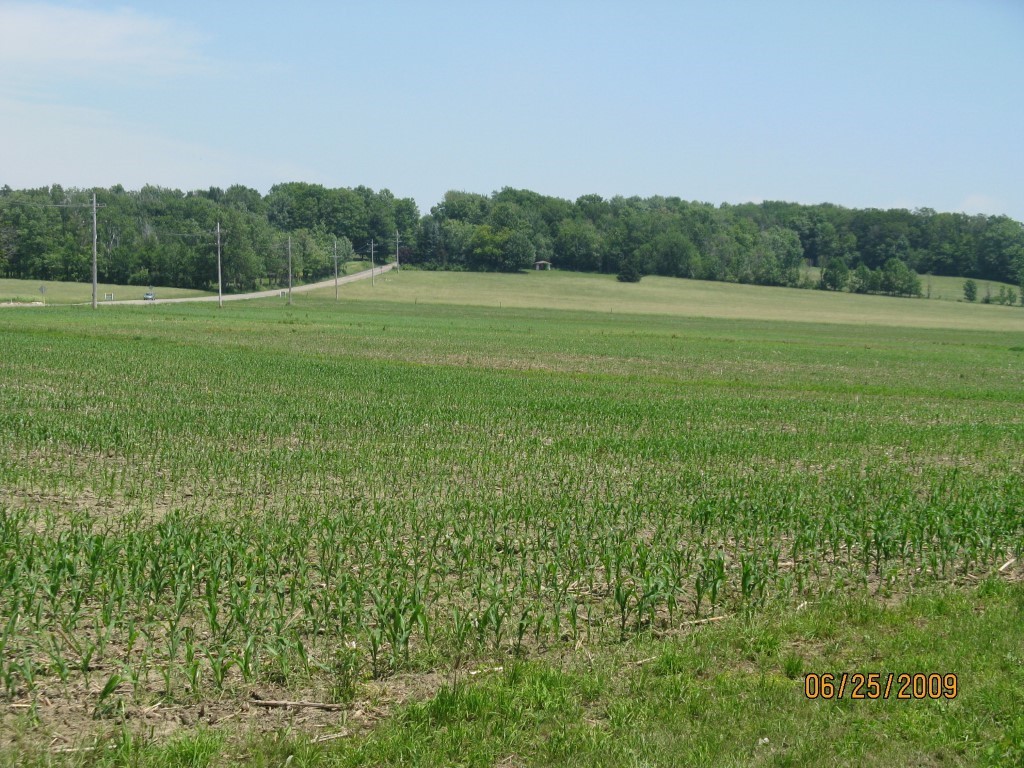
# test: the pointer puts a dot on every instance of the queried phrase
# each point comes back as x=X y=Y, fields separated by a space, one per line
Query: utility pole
x=95 y=239
x=398 y=265
x=220 y=281
x=289 y=270
x=335 y=267
x=372 y=267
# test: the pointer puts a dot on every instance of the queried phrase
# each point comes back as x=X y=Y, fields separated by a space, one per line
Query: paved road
x=266 y=294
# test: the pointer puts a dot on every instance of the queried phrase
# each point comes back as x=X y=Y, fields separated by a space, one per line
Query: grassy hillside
x=57 y=292
x=941 y=288
x=27 y=291
x=488 y=534
x=672 y=297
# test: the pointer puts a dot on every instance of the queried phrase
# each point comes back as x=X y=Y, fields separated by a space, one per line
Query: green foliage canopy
x=165 y=236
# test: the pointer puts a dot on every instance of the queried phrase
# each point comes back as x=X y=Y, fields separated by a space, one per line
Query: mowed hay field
x=944 y=288
x=481 y=529
x=680 y=298
x=57 y=292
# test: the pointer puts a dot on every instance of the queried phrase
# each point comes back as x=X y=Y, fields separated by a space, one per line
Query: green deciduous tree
x=669 y=254
x=899 y=280
x=860 y=279
x=578 y=245
x=630 y=271
x=835 y=275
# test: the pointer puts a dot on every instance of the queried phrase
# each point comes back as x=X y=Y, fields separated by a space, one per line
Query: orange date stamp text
x=881 y=685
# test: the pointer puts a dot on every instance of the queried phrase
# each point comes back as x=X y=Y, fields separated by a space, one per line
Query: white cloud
x=978 y=203
x=84 y=147
x=40 y=40
x=56 y=59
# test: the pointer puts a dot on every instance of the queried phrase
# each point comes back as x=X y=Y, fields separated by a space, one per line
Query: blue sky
x=865 y=104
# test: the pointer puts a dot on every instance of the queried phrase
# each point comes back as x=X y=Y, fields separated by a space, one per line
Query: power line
x=95 y=240
x=95 y=236
x=335 y=267
x=51 y=205
x=220 y=281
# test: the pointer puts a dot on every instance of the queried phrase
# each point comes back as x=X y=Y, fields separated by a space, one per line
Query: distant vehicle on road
x=149 y=296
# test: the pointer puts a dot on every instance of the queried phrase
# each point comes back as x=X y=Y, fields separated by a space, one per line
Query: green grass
x=27 y=291
x=57 y=292
x=721 y=696
x=952 y=288
x=674 y=297
x=360 y=265
x=942 y=288
x=361 y=502
x=725 y=694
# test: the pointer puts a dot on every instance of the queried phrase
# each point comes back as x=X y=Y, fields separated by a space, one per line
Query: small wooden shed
x=542 y=265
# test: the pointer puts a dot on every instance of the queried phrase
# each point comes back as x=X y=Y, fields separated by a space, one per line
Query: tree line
x=157 y=236
x=165 y=236
x=865 y=251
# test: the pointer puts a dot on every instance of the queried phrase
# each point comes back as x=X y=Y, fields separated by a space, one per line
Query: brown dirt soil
x=63 y=723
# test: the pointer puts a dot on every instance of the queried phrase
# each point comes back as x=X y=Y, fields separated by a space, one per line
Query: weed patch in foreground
x=722 y=694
